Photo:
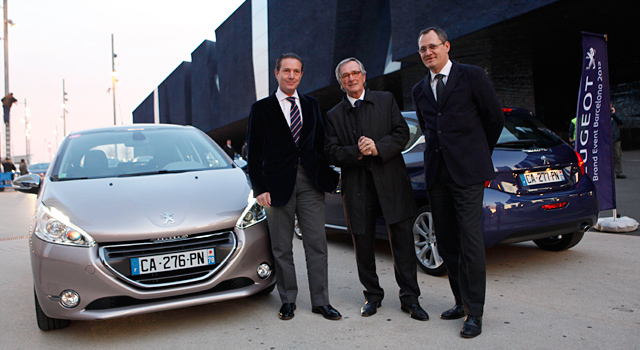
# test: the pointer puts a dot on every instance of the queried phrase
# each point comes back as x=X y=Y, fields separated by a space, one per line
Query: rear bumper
x=510 y=218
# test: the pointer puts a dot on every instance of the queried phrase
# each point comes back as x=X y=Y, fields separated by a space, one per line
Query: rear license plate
x=541 y=177
x=170 y=262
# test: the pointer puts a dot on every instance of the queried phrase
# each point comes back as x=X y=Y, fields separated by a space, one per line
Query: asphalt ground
x=587 y=297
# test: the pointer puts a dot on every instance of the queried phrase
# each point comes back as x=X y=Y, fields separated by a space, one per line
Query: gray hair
x=342 y=63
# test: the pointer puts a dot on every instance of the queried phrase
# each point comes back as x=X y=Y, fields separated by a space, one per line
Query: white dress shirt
x=446 y=70
x=285 y=105
x=353 y=100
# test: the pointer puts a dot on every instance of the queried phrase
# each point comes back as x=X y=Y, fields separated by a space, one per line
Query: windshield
x=136 y=152
x=524 y=132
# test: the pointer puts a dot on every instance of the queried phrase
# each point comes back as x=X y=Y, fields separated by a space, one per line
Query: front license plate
x=541 y=177
x=170 y=262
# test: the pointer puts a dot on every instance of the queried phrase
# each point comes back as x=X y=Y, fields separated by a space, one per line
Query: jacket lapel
x=307 y=117
x=277 y=118
x=426 y=90
x=452 y=81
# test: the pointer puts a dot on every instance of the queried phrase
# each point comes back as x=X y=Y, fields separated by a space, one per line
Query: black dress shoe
x=370 y=308
x=454 y=313
x=286 y=311
x=472 y=327
x=327 y=311
x=621 y=176
x=415 y=311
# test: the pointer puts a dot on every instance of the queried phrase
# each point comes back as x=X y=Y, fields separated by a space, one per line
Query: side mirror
x=241 y=163
x=27 y=183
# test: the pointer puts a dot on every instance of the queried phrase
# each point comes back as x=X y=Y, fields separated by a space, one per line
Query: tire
x=267 y=290
x=45 y=322
x=558 y=243
x=426 y=247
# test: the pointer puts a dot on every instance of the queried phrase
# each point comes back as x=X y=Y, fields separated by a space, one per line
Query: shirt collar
x=446 y=70
x=282 y=96
x=352 y=100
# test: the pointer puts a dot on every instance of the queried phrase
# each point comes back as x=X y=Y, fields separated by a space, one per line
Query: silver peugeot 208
x=144 y=218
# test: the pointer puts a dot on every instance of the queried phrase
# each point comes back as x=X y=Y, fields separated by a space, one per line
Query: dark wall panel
x=174 y=96
x=456 y=17
x=205 y=96
x=235 y=67
x=144 y=112
x=311 y=36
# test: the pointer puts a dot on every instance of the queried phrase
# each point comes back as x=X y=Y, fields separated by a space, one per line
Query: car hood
x=151 y=206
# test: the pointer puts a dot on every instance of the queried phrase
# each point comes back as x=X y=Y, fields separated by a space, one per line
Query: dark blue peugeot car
x=540 y=192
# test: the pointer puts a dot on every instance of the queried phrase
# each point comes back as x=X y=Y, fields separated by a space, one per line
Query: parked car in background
x=540 y=192
x=38 y=168
x=144 y=218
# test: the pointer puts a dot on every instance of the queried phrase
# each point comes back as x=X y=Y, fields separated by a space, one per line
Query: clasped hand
x=367 y=147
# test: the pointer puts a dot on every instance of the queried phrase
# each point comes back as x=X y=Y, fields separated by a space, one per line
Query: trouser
x=457 y=216
x=617 y=157
x=307 y=201
x=402 y=248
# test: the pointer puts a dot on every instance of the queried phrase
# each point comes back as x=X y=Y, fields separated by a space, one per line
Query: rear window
x=523 y=132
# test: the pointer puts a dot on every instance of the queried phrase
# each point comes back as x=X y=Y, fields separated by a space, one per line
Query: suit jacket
x=273 y=155
x=378 y=118
x=464 y=127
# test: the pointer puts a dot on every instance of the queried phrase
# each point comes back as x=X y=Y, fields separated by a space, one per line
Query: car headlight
x=252 y=214
x=54 y=227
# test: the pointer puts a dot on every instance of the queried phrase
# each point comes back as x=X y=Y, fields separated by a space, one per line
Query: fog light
x=69 y=299
x=264 y=270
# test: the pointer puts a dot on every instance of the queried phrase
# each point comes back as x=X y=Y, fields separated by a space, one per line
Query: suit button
x=439 y=131
x=439 y=114
x=437 y=150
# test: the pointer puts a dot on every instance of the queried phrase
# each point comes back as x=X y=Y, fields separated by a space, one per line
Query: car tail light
x=487 y=183
x=580 y=163
x=554 y=206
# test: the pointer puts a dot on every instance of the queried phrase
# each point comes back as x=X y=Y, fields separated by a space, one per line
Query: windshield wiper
x=155 y=172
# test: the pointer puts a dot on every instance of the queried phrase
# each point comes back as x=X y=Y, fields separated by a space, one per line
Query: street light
x=7 y=22
x=114 y=79
x=64 y=110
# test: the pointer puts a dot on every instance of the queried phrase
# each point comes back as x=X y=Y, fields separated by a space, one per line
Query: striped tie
x=296 y=122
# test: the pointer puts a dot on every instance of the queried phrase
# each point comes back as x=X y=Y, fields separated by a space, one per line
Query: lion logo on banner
x=591 y=55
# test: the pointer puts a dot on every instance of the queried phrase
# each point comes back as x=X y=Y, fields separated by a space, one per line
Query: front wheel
x=558 y=243
x=426 y=246
x=45 y=322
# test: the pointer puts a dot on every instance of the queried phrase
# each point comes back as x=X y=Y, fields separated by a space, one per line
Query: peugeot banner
x=593 y=119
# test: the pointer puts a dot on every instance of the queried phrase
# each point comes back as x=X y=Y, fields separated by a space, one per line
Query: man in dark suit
x=228 y=148
x=288 y=173
x=365 y=137
x=461 y=118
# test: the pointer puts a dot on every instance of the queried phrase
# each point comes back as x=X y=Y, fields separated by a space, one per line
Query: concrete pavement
x=587 y=297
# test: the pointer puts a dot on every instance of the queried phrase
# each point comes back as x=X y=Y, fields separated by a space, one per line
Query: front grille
x=117 y=257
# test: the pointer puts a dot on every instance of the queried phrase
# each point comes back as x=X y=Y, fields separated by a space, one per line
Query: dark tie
x=296 y=123
x=358 y=103
x=439 y=87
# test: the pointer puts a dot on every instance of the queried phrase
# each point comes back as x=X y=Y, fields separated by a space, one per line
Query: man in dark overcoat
x=365 y=137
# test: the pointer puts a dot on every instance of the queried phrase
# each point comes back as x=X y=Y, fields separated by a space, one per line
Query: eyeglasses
x=346 y=76
x=431 y=47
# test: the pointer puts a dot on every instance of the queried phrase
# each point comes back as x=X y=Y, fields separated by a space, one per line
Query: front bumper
x=104 y=295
